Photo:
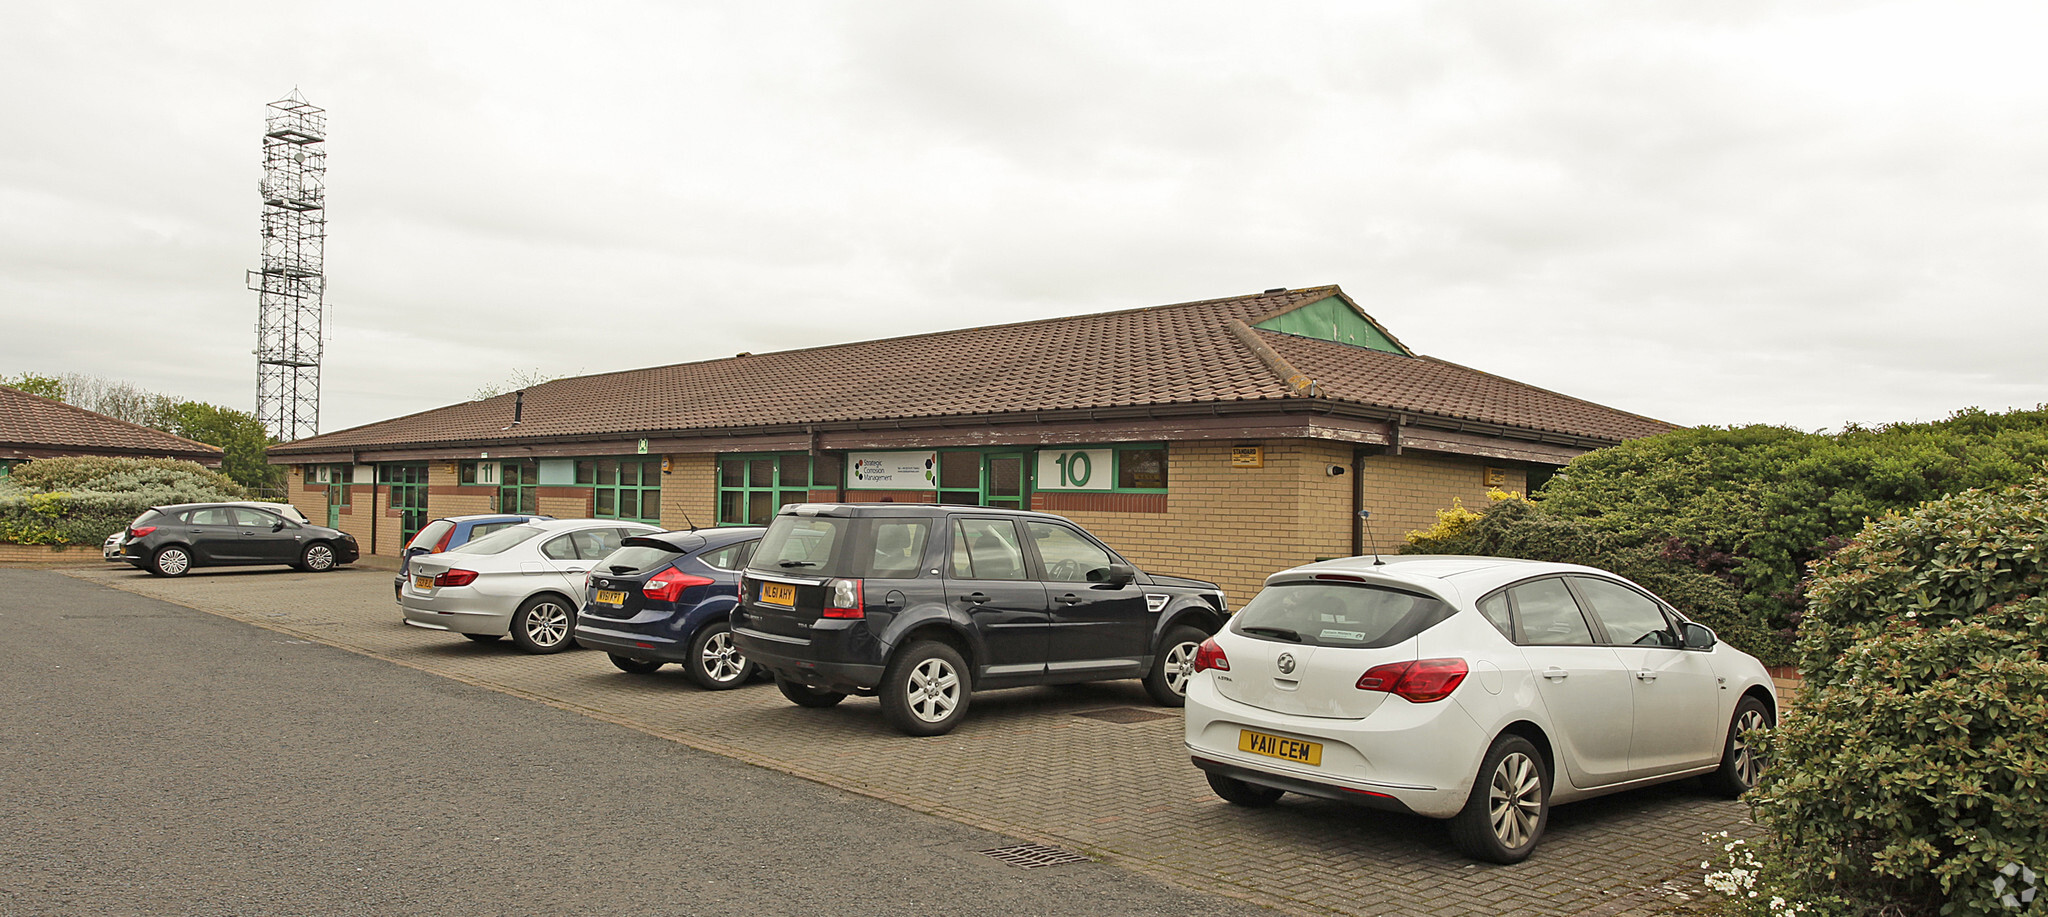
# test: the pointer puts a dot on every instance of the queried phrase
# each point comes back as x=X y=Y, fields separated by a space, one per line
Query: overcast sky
x=1710 y=213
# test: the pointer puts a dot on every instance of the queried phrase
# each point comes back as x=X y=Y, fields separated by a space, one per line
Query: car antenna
x=1364 y=515
x=686 y=518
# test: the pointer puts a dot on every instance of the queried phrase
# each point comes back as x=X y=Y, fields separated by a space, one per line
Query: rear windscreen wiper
x=1277 y=632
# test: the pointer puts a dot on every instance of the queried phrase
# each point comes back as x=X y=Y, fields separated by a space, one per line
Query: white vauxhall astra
x=1477 y=689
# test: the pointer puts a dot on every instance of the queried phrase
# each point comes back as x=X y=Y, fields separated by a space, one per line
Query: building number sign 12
x=1077 y=469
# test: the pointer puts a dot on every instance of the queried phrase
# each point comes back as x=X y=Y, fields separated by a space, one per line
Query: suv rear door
x=989 y=581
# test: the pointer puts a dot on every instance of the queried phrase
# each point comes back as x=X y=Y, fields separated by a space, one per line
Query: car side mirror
x=277 y=526
x=1696 y=636
x=1116 y=575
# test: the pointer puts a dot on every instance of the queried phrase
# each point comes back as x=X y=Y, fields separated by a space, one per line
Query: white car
x=1477 y=689
x=527 y=580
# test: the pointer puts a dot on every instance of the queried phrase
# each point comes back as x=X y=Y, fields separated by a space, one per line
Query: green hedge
x=83 y=499
x=1915 y=766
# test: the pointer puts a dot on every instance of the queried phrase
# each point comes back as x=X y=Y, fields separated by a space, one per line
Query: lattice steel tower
x=290 y=323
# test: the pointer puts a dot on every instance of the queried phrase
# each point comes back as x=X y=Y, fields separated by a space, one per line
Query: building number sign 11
x=1077 y=469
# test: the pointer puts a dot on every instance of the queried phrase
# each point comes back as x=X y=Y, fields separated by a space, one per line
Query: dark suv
x=171 y=540
x=922 y=605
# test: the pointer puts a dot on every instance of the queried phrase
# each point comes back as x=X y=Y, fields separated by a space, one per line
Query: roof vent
x=744 y=353
x=1277 y=290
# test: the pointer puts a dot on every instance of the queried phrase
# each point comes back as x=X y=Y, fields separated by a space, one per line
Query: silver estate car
x=526 y=581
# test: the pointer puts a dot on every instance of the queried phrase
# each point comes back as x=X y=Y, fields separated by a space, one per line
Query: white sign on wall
x=892 y=471
x=1076 y=469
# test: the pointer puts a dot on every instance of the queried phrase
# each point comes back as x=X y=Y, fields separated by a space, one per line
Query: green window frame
x=408 y=483
x=753 y=486
x=626 y=487
x=518 y=483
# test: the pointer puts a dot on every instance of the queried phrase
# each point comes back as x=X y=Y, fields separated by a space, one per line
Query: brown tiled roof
x=1431 y=387
x=1162 y=355
x=29 y=422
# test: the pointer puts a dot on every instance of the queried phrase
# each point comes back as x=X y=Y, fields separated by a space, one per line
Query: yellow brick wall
x=565 y=506
x=1405 y=491
x=689 y=493
x=440 y=503
x=310 y=498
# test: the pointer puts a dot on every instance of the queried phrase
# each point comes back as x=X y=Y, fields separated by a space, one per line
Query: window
x=1330 y=614
x=730 y=557
x=213 y=515
x=751 y=488
x=1141 y=468
x=518 y=487
x=408 y=483
x=1068 y=556
x=1495 y=608
x=986 y=549
x=254 y=518
x=899 y=547
x=798 y=545
x=1631 y=618
x=589 y=544
x=1549 y=616
x=625 y=488
x=1103 y=469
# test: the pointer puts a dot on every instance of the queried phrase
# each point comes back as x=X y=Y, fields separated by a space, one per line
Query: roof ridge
x=95 y=414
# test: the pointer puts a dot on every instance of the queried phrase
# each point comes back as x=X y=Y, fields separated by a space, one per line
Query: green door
x=1003 y=481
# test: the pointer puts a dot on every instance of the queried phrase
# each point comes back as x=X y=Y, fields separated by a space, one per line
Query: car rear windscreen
x=1338 y=614
x=636 y=558
x=803 y=544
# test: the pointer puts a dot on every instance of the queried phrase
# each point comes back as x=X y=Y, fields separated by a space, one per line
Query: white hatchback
x=1477 y=689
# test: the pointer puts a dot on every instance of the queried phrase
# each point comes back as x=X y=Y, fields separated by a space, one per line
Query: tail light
x=140 y=531
x=670 y=583
x=843 y=599
x=455 y=578
x=1210 y=656
x=442 y=545
x=1421 y=681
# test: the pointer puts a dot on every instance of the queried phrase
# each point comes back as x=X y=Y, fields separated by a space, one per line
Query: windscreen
x=497 y=542
x=431 y=535
x=1338 y=614
x=636 y=558
x=803 y=544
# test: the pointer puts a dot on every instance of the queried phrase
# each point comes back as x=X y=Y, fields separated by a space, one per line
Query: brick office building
x=33 y=427
x=1223 y=439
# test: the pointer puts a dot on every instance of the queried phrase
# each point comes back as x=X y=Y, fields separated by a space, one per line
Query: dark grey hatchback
x=171 y=540
x=923 y=605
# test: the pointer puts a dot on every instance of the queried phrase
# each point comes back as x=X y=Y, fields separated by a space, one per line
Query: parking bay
x=1092 y=769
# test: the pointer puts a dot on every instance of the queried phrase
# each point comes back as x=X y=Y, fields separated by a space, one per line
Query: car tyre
x=925 y=690
x=1239 y=793
x=1509 y=806
x=804 y=695
x=544 y=624
x=317 y=558
x=1173 y=665
x=171 y=560
x=483 y=638
x=715 y=663
x=634 y=666
x=1740 y=763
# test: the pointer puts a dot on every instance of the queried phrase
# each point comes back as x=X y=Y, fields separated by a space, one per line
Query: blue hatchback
x=442 y=534
x=667 y=597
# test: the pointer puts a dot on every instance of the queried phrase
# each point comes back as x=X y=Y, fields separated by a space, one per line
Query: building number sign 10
x=1077 y=469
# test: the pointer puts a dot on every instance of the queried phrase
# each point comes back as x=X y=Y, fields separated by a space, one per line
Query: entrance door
x=1003 y=481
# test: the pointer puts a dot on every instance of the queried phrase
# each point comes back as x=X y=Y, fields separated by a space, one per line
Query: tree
x=49 y=387
x=239 y=434
x=520 y=379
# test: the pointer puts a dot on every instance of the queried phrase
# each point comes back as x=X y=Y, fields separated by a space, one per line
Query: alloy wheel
x=1180 y=666
x=1748 y=764
x=721 y=660
x=548 y=624
x=1515 y=799
x=319 y=557
x=934 y=690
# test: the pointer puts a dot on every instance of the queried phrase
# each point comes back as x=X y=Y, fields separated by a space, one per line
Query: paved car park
x=1094 y=769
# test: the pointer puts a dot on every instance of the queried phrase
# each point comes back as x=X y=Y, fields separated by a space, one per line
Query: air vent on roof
x=1277 y=290
x=744 y=353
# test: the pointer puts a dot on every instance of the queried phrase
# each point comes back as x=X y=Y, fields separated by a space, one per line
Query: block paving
x=1073 y=767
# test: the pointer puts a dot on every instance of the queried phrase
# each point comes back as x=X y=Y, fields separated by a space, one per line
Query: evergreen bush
x=1914 y=768
x=83 y=499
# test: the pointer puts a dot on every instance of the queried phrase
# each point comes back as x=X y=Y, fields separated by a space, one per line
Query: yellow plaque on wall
x=1496 y=477
x=1247 y=456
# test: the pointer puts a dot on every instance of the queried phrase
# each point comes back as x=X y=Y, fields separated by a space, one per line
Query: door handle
x=1555 y=673
x=975 y=597
x=1646 y=675
x=1068 y=599
x=575 y=569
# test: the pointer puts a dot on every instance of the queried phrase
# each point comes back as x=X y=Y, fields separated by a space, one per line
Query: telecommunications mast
x=289 y=320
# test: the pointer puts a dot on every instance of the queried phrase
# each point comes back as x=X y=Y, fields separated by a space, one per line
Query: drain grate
x=1033 y=856
x=1125 y=715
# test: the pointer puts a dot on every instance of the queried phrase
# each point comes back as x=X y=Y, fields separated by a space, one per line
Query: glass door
x=1003 y=480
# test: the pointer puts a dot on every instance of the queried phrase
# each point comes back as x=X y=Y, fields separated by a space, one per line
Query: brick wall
x=689 y=493
x=66 y=554
x=1404 y=492
x=446 y=495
